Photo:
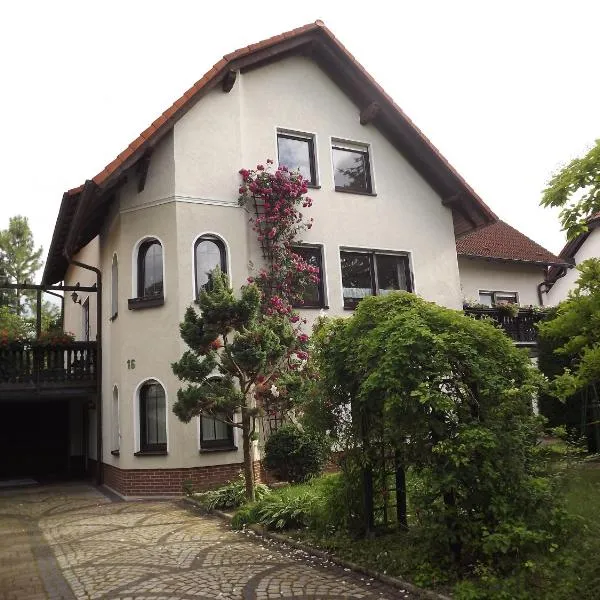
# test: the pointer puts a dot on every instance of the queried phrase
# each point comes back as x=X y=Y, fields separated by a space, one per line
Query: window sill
x=357 y=192
x=151 y=453
x=115 y=452
x=218 y=449
x=313 y=186
x=140 y=303
x=304 y=306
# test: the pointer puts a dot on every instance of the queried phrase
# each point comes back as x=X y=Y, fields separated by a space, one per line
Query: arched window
x=114 y=288
x=153 y=417
x=115 y=426
x=150 y=269
x=209 y=252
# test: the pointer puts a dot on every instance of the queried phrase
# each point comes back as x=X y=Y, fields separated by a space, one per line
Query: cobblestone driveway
x=72 y=542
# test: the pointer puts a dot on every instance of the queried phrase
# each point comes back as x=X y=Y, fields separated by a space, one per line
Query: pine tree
x=19 y=261
x=236 y=356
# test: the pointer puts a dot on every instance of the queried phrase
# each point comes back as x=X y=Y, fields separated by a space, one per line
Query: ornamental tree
x=246 y=355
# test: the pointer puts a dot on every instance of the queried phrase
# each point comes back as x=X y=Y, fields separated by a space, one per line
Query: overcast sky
x=506 y=90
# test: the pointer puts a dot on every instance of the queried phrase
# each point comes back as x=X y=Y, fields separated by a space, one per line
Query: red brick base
x=170 y=482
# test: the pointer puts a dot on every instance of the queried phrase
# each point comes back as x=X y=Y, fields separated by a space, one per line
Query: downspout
x=88 y=192
x=99 y=469
x=549 y=285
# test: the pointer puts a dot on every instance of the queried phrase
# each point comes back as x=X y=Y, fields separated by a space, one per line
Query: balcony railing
x=30 y=367
x=521 y=327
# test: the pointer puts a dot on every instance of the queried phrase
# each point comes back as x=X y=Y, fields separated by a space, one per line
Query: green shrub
x=231 y=495
x=280 y=512
x=295 y=455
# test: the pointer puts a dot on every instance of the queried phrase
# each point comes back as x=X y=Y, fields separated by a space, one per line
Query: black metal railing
x=31 y=365
x=520 y=327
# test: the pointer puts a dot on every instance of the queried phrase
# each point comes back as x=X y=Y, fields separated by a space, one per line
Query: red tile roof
x=500 y=241
x=468 y=209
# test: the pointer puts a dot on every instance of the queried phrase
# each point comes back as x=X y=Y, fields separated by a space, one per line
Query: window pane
x=208 y=256
x=351 y=170
x=486 y=298
x=506 y=297
x=357 y=279
x=391 y=273
x=296 y=154
x=152 y=281
x=312 y=295
x=154 y=414
x=208 y=428
x=221 y=430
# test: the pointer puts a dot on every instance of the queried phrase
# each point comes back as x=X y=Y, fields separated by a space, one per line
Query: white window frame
x=227 y=258
x=136 y=413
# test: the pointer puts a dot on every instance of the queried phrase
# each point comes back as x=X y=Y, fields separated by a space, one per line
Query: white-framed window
x=296 y=151
x=373 y=273
x=210 y=251
x=150 y=269
x=352 y=168
x=492 y=297
x=115 y=423
x=152 y=412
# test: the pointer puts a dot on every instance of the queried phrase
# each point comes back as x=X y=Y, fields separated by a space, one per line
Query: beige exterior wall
x=191 y=189
x=476 y=275
x=590 y=249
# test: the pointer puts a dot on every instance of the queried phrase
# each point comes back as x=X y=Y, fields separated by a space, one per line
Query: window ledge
x=304 y=307
x=358 y=193
x=222 y=449
x=151 y=453
x=149 y=302
x=313 y=186
x=115 y=452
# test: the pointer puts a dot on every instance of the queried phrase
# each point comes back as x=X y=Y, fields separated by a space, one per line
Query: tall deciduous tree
x=236 y=361
x=575 y=189
x=19 y=260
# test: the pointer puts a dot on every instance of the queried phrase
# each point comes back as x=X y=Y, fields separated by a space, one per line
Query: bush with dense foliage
x=230 y=495
x=451 y=396
x=294 y=454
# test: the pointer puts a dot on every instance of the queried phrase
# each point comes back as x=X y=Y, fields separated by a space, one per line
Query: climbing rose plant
x=277 y=199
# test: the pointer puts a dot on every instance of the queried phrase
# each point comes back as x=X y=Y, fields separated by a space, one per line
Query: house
x=146 y=229
x=499 y=264
x=561 y=279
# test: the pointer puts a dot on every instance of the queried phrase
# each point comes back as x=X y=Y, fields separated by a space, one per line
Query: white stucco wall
x=476 y=275
x=589 y=249
x=191 y=189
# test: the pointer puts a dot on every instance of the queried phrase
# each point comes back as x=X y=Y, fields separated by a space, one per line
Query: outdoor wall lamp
x=75 y=298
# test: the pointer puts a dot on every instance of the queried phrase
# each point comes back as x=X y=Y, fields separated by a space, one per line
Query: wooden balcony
x=34 y=370
x=521 y=328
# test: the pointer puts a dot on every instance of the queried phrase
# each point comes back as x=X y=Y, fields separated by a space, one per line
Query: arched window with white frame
x=209 y=252
x=152 y=402
x=150 y=269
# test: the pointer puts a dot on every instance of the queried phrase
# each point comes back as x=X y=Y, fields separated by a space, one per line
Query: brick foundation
x=170 y=482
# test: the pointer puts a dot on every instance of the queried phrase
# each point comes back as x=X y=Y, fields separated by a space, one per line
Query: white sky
x=506 y=90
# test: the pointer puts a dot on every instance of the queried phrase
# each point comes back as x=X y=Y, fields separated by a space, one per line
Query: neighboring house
x=561 y=280
x=498 y=264
x=165 y=212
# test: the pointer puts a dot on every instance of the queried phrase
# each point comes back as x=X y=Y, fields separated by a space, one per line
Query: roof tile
x=501 y=241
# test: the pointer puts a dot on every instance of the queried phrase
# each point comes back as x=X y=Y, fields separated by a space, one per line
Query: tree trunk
x=248 y=458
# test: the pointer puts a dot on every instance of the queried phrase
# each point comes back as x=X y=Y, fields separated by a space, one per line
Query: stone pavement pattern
x=70 y=542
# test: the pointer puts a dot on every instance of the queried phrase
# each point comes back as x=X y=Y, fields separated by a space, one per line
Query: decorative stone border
x=332 y=558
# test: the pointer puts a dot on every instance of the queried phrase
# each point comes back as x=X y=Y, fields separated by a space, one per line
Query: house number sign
x=131 y=364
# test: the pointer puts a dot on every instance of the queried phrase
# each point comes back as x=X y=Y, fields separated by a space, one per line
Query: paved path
x=70 y=542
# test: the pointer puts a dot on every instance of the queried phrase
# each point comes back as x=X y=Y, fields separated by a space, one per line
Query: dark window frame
x=222 y=249
x=350 y=303
x=141 y=269
x=145 y=446
x=226 y=443
x=114 y=287
x=310 y=140
x=366 y=153
x=322 y=303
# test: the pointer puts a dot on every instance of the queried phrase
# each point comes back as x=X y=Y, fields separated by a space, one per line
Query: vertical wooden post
x=401 y=494
x=38 y=322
